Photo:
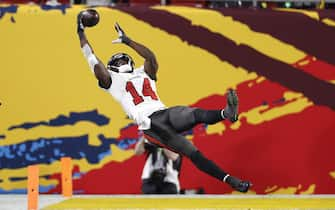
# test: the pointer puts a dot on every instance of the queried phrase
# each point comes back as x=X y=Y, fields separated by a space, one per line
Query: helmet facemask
x=121 y=63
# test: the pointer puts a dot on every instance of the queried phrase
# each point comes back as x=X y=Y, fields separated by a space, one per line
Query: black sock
x=208 y=116
x=207 y=166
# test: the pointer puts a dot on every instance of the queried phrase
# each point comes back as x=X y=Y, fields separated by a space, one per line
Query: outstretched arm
x=100 y=71
x=150 y=63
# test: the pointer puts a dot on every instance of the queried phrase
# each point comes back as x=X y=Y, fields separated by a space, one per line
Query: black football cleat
x=231 y=110
x=242 y=186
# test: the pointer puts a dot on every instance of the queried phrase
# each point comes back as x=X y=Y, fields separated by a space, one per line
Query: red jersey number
x=146 y=91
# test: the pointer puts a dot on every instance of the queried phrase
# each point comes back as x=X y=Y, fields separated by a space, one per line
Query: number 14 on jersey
x=146 y=91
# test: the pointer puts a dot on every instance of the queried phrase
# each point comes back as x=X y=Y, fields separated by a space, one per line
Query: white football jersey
x=137 y=94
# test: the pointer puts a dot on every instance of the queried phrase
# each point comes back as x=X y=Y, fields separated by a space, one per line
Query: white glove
x=122 y=36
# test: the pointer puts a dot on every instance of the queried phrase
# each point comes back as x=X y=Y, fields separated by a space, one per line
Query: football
x=90 y=17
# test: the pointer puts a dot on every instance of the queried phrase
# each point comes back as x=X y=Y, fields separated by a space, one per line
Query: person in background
x=160 y=173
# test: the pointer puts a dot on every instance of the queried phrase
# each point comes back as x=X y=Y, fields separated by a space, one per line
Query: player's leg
x=172 y=140
x=230 y=112
x=183 y=118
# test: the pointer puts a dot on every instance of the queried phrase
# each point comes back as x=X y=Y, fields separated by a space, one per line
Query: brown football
x=90 y=17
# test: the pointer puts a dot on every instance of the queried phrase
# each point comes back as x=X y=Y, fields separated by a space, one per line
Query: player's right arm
x=99 y=69
x=150 y=63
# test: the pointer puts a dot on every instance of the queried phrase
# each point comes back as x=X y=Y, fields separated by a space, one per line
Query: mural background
x=281 y=62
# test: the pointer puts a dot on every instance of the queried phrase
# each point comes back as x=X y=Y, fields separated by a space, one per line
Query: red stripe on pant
x=158 y=143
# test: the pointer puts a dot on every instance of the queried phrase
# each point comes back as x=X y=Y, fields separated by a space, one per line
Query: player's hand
x=80 y=25
x=122 y=36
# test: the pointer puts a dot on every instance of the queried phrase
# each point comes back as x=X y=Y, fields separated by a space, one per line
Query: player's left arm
x=150 y=63
x=99 y=69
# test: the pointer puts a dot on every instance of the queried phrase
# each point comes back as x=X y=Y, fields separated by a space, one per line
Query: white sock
x=222 y=115
x=225 y=178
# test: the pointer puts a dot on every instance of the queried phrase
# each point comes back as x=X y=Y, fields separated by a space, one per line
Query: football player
x=135 y=90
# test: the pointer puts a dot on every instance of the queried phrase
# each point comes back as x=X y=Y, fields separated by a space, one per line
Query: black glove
x=80 y=25
x=122 y=36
